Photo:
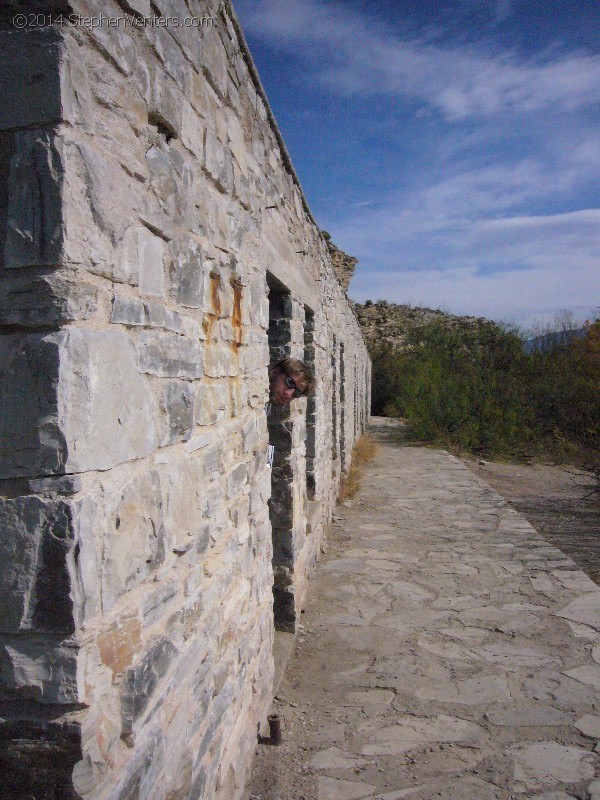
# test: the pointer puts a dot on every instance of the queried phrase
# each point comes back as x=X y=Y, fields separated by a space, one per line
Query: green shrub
x=474 y=388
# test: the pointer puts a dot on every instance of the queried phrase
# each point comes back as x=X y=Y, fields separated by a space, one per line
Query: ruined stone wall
x=147 y=205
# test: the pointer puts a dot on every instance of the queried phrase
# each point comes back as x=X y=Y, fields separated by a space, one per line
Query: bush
x=474 y=388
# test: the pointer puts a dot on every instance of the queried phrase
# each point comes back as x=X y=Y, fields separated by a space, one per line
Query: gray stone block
x=38 y=755
x=109 y=201
x=141 y=681
x=164 y=101
x=106 y=413
x=215 y=64
x=30 y=78
x=142 y=773
x=63 y=484
x=192 y=132
x=237 y=480
x=188 y=276
x=31 y=442
x=34 y=223
x=156 y=604
x=134 y=536
x=163 y=42
x=177 y=403
x=128 y=311
x=197 y=442
x=37 y=539
x=218 y=163
x=168 y=355
x=159 y=316
x=43 y=670
x=250 y=435
x=88 y=407
x=211 y=404
x=220 y=361
x=139 y=8
x=151 y=253
x=46 y=300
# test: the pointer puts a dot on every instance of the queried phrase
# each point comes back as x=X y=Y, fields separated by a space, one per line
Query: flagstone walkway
x=447 y=652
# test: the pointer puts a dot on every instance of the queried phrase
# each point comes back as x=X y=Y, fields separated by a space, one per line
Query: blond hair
x=299 y=371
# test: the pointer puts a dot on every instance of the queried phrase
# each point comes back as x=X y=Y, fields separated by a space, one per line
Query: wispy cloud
x=351 y=53
x=521 y=297
x=530 y=264
x=479 y=163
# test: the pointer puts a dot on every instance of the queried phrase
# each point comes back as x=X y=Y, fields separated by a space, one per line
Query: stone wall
x=151 y=225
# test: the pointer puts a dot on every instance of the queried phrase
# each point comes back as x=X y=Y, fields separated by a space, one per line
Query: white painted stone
x=541 y=765
x=589 y=725
x=513 y=657
x=576 y=581
x=338 y=789
x=471 y=691
x=584 y=632
x=520 y=715
x=334 y=758
x=585 y=609
x=541 y=582
x=411 y=733
x=594 y=790
x=372 y=697
x=447 y=650
x=466 y=634
x=589 y=674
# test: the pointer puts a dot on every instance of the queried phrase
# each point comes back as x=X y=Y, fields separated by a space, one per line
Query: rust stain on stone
x=215 y=307
x=236 y=315
x=119 y=644
x=215 y=300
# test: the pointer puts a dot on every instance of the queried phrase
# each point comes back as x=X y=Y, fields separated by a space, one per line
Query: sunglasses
x=291 y=384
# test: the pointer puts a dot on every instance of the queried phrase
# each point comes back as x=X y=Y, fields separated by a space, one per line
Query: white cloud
x=476 y=225
x=352 y=54
x=513 y=268
x=520 y=297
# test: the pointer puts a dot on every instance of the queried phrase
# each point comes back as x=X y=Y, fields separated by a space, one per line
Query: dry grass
x=364 y=451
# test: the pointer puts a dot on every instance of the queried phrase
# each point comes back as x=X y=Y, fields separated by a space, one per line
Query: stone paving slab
x=447 y=652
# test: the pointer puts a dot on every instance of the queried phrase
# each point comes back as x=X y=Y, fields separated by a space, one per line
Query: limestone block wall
x=149 y=217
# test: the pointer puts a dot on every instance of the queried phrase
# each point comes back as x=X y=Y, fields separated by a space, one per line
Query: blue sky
x=453 y=147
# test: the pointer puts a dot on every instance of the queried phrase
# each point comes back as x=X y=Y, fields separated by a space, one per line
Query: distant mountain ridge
x=546 y=341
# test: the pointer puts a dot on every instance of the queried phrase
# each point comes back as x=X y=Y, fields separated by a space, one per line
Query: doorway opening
x=280 y=427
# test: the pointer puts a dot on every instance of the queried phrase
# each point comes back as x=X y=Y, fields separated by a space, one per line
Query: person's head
x=289 y=379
